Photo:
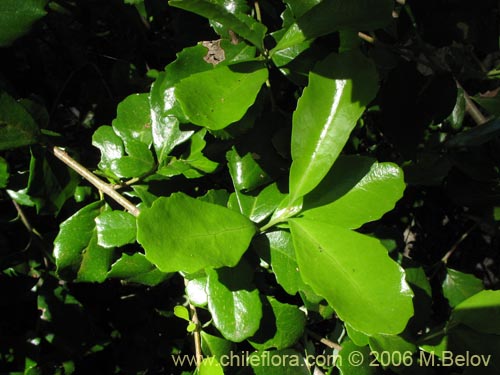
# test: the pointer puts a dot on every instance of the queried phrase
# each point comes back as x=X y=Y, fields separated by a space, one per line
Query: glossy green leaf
x=4 y=173
x=215 y=346
x=480 y=312
x=467 y=342
x=76 y=251
x=257 y=208
x=345 y=267
x=392 y=350
x=210 y=366
x=340 y=87
x=115 y=228
x=182 y=312
x=333 y=15
x=276 y=248
x=299 y=7
x=355 y=191
x=456 y=117
x=242 y=24
x=142 y=191
x=358 y=338
x=196 y=291
x=245 y=171
x=216 y=196
x=285 y=210
x=234 y=303
x=216 y=98
x=196 y=158
x=282 y=325
x=490 y=104
x=476 y=136
x=348 y=360
x=110 y=145
x=137 y=162
x=278 y=362
x=133 y=119
x=137 y=269
x=458 y=286
x=165 y=110
x=235 y=7
x=17 y=127
x=180 y=233
x=95 y=262
x=422 y=300
x=193 y=165
x=17 y=17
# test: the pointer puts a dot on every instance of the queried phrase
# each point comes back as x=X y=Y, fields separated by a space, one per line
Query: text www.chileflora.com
x=245 y=358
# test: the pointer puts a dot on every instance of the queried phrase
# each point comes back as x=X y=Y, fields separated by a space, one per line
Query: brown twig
x=94 y=180
x=258 y=14
x=34 y=234
x=366 y=37
x=471 y=108
x=324 y=341
x=129 y=206
x=196 y=332
x=450 y=252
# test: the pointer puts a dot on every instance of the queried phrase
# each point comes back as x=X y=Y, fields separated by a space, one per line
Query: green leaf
x=133 y=119
x=350 y=355
x=355 y=191
x=345 y=267
x=110 y=145
x=299 y=7
x=476 y=136
x=456 y=117
x=458 y=286
x=245 y=171
x=196 y=291
x=17 y=127
x=242 y=24
x=138 y=162
x=490 y=104
x=137 y=269
x=334 y=15
x=50 y=184
x=216 y=196
x=115 y=228
x=235 y=7
x=278 y=362
x=215 y=346
x=76 y=251
x=165 y=112
x=257 y=208
x=180 y=233
x=194 y=165
x=217 y=98
x=182 y=312
x=95 y=263
x=358 y=338
x=340 y=87
x=17 y=17
x=277 y=249
x=166 y=132
x=396 y=347
x=234 y=302
x=282 y=325
x=480 y=312
x=210 y=366
x=4 y=173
